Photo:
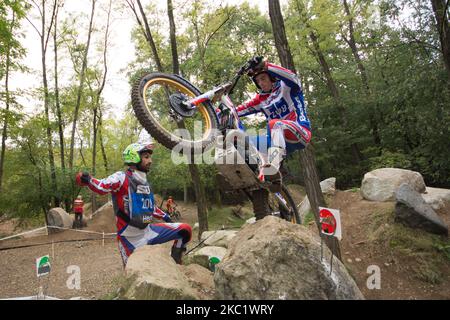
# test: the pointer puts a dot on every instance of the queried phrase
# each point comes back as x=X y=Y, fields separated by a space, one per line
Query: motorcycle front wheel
x=157 y=102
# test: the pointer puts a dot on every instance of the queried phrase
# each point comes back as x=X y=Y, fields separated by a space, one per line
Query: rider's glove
x=83 y=178
x=256 y=64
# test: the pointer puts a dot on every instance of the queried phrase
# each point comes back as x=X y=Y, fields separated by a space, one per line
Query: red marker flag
x=330 y=222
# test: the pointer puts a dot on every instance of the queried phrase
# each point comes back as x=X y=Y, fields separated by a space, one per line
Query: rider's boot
x=177 y=254
x=270 y=168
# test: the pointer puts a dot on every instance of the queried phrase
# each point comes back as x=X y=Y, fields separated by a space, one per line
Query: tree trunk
x=95 y=122
x=58 y=105
x=94 y=156
x=102 y=145
x=173 y=38
x=5 y=120
x=57 y=101
x=44 y=42
x=149 y=37
x=83 y=161
x=307 y=159
x=200 y=49
x=80 y=88
x=440 y=8
x=7 y=103
x=202 y=209
x=42 y=200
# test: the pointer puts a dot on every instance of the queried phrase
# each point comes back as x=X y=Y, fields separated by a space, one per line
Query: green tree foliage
x=399 y=118
x=406 y=79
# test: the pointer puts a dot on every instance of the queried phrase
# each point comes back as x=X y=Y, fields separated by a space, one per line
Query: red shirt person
x=78 y=209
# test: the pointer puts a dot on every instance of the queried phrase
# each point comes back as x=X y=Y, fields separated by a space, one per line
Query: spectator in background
x=78 y=208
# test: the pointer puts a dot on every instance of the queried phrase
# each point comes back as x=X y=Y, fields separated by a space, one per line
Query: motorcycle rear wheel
x=265 y=203
x=290 y=213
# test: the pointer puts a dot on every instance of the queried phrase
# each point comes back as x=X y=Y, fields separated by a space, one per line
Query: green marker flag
x=212 y=263
x=43 y=266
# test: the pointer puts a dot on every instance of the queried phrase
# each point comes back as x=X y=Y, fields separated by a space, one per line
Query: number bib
x=141 y=205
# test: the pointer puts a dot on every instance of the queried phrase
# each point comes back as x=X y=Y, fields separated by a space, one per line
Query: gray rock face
x=328 y=186
x=275 y=259
x=381 y=184
x=412 y=211
x=219 y=238
x=201 y=257
x=58 y=217
x=436 y=197
x=155 y=276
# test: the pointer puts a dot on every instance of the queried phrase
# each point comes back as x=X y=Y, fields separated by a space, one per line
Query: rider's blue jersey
x=285 y=101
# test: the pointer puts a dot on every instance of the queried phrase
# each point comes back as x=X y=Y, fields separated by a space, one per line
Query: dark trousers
x=78 y=220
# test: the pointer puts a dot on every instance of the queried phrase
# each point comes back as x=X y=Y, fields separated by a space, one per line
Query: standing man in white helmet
x=134 y=205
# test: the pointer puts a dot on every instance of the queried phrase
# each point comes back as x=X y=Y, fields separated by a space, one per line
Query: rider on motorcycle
x=280 y=99
x=134 y=205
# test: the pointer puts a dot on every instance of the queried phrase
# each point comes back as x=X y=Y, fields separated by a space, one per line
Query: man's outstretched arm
x=102 y=186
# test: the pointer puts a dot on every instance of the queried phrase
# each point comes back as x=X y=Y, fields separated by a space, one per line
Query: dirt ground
x=359 y=251
x=101 y=267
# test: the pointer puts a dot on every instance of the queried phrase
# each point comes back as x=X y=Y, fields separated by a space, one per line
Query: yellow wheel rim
x=175 y=85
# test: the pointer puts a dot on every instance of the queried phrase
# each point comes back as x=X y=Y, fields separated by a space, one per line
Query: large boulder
x=381 y=184
x=328 y=186
x=153 y=275
x=218 y=238
x=202 y=256
x=412 y=210
x=58 y=217
x=275 y=259
x=436 y=197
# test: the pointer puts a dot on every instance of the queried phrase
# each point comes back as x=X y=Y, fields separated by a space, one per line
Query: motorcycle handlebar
x=239 y=74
